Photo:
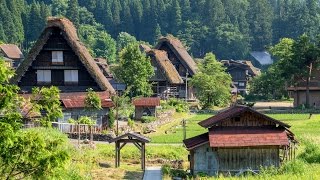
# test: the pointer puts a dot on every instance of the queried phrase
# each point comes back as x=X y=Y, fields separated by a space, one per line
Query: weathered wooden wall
x=235 y=159
x=246 y=119
x=205 y=160
x=213 y=160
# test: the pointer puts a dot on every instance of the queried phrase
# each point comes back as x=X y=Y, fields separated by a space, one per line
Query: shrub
x=294 y=167
x=178 y=104
x=178 y=173
x=130 y=123
x=86 y=120
x=311 y=153
x=166 y=169
x=148 y=119
x=36 y=154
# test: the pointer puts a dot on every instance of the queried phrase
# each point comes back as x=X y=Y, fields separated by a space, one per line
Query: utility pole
x=187 y=74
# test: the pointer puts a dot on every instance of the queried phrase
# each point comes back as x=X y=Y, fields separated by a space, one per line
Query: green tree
x=33 y=153
x=297 y=60
x=213 y=84
x=269 y=85
x=47 y=100
x=230 y=37
x=73 y=12
x=124 y=39
x=260 y=21
x=100 y=43
x=26 y=154
x=59 y=7
x=135 y=69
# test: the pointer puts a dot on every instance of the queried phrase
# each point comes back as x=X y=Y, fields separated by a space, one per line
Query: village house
x=299 y=88
x=241 y=72
x=173 y=67
x=166 y=79
x=240 y=139
x=11 y=54
x=58 y=58
x=145 y=106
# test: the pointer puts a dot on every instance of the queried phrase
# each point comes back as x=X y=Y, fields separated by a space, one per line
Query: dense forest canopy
x=228 y=28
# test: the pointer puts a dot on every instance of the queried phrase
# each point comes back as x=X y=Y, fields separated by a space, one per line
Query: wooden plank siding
x=247 y=119
x=236 y=159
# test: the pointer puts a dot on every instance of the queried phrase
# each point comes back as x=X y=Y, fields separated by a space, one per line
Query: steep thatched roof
x=254 y=70
x=104 y=67
x=247 y=65
x=145 y=48
x=69 y=32
x=165 y=64
x=180 y=51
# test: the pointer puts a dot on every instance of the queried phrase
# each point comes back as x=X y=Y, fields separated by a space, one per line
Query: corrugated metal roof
x=196 y=141
x=248 y=136
x=147 y=101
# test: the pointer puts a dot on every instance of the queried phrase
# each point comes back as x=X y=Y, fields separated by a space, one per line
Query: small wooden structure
x=145 y=106
x=239 y=139
x=138 y=140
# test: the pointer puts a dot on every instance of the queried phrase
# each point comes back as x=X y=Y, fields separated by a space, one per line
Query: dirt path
x=273 y=105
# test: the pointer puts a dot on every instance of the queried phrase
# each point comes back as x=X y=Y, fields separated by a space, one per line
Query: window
x=43 y=76
x=241 y=84
x=71 y=76
x=235 y=83
x=57 y=57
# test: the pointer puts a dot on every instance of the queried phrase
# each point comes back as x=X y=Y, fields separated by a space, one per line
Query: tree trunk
x=308 y=86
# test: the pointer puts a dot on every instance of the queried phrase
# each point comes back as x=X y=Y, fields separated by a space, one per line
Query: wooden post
x=143 y=157
x=117 y=154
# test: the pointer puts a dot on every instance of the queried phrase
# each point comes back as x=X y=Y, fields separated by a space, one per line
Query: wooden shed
x=145 y=106
x=239 y=139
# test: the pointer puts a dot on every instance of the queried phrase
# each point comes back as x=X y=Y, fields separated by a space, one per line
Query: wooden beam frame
x=122 y=142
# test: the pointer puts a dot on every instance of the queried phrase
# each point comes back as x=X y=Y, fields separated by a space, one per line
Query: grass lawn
x=174 y=134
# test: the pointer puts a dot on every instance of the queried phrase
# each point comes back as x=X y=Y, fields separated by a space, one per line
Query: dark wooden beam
x=137 y=145
x=122 y=146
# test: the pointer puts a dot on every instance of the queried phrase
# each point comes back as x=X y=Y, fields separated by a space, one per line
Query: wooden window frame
x=43 y=81
x=57 y=60
x=68 y=81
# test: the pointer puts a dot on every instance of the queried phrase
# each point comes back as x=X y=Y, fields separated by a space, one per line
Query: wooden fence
x=76 y=128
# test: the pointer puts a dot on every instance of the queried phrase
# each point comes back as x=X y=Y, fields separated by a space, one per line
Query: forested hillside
x=229 y=28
